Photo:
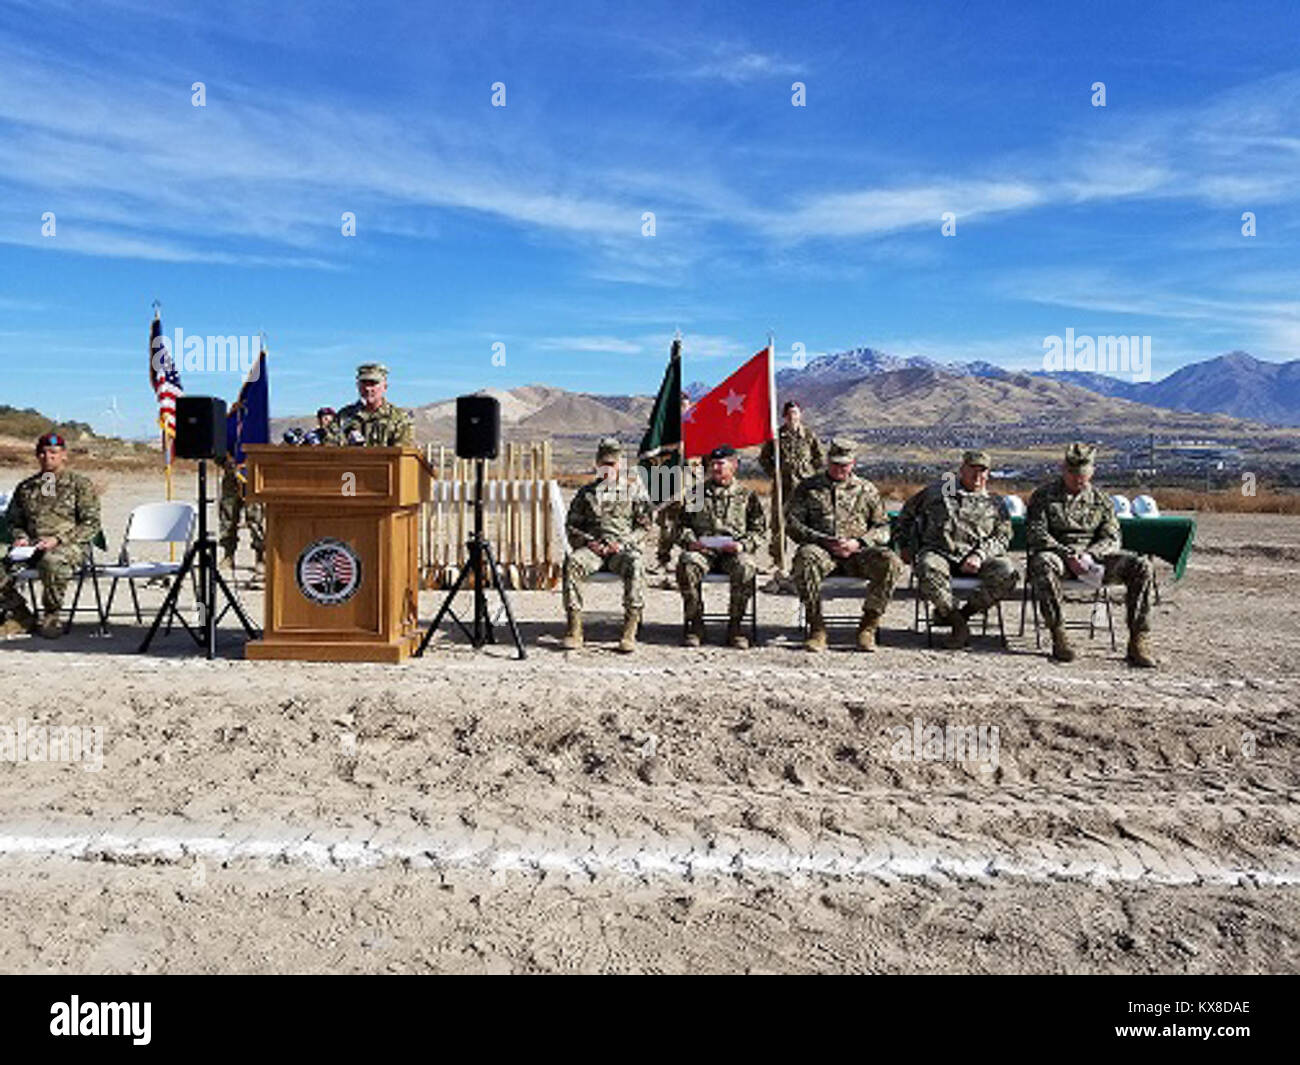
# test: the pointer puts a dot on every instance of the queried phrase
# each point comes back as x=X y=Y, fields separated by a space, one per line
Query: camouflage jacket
x=801 y=456
x=1066 y=524
x=724 y=510
x=603 y=511
x=388 y=426
x=63 y=505
x=954 y=523
x=821 y=508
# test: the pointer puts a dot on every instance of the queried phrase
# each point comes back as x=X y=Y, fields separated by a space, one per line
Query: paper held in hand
x=1092 y=572
x=21 y=554
x=716 y=543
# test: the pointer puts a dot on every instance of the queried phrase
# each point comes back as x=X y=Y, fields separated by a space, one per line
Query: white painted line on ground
x=629 y=861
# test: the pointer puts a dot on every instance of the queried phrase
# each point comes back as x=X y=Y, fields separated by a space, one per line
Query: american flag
x=166 y=385
x=328 y=570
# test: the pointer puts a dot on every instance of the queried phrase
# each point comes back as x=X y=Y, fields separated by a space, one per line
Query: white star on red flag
x=733 y=402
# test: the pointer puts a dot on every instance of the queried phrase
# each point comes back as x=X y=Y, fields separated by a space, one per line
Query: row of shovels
x=517 y=517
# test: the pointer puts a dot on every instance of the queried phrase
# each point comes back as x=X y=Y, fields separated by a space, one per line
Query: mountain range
x=865 y=388
x=1236 y=384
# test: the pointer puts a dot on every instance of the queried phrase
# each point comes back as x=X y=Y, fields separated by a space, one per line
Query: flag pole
x=777 y=493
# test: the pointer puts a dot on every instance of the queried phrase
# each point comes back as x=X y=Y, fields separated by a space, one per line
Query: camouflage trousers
x=1047 y=570
x=879 y=566
x=582 y=562
x=692 y=567
x=934 y=575
x=56 y=569
x=229 y=510
x=667 y=518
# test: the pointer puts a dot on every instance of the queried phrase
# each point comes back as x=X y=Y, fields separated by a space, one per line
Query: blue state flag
x=249 y=419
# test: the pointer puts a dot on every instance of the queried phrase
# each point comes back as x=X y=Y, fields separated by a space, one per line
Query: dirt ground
x=673 y=810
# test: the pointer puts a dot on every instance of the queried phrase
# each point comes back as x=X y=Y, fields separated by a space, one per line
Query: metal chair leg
x=135 y=600
x=1110 y=623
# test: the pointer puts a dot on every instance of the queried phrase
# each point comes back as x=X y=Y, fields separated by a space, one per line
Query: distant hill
x=27 y=424
x=1236 y=383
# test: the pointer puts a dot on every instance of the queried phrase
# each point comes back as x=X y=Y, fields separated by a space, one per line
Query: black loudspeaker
x=478 y=427
x=200 y=427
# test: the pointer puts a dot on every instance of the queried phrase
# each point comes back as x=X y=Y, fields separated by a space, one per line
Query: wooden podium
x=342 y=535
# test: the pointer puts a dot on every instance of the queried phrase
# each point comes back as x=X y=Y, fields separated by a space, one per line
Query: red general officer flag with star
x=739 y=412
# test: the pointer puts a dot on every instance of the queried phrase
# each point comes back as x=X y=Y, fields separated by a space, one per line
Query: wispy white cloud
x=603 y=344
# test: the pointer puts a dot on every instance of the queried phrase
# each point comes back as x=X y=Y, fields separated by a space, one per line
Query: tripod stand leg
x=505 y=601
x=250 y=629
x=442 y=610
x=169 y=604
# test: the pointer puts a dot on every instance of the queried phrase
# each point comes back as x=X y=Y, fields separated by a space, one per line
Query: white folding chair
x=963 y=587
x=149 y=523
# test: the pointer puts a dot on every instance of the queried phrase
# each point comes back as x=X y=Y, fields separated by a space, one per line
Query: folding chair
x=832 y=588
x=1070 y=585
x=962 y=589
x=722 y=578
x=29 y=575
x=149 y=523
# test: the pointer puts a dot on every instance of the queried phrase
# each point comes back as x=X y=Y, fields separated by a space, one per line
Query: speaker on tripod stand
x=201 y=435
x=478 y=438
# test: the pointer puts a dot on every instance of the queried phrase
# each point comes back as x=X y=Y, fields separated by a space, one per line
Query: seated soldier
x=1071 y=528
x=722 y=508
x=605 y=523
x=55 y=511
x=957 y=527
x=840 y=524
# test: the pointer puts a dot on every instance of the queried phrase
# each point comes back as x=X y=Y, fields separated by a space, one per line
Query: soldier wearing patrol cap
x=1070 y=528
x=721 y=529
x=841 y=526
x=55 y=511
x=957 y=527
x=605 y=523
x=372 y=421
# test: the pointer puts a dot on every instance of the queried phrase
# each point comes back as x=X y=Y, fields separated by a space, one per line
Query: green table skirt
x=1165 y=538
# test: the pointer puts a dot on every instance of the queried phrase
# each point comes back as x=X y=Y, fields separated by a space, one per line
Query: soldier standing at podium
x=372 y=421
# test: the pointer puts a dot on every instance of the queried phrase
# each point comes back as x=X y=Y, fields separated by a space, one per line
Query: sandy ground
x=674 y=810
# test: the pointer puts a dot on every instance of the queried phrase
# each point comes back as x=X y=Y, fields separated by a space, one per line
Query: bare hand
x=972 y=562
x=613 y=547
x=696 y=546
x=47 y=543
x=730 y=549
x=1075 y=564
x=20 y=542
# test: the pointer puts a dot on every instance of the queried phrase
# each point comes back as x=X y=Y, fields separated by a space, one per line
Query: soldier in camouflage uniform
x=1069 y=524
x=957 y=527
x=840 y=524
x=371 y=421
x=801 y=458
x=606 y=521
x=230 y=507
x=721 y=507
x=57 y=512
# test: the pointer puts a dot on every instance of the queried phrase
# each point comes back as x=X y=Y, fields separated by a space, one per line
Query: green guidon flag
x=663 y=437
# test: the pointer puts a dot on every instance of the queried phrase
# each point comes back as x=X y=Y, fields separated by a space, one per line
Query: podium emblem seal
x=328 y=572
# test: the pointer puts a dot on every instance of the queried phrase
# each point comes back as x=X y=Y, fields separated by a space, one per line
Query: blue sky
x=523 y=224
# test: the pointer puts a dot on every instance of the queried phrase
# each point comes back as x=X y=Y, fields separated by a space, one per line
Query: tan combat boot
x=573 y=634
x=816 y=640
x=694 y=629
x=1061 y=649
x=736 y=634
x=627 y=642
x=960 y=635
x=1139 y=650
x=51 y=627
x=867 y=631
x=14 y=628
